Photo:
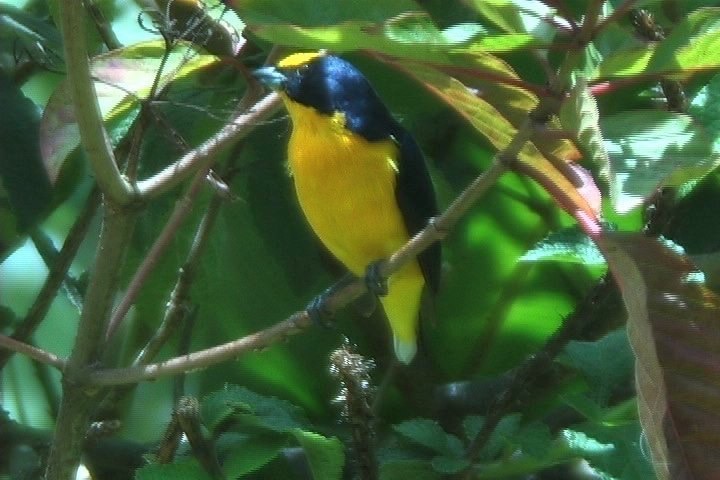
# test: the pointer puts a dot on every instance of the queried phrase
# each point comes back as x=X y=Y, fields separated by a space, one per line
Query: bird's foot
x=318 y=310
x=374 y=280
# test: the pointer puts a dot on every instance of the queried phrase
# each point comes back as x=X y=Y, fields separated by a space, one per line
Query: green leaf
x=569 y=245
x=585 y=405
x=325 y=455
x=606 y=363
x=23 y=179
x=248 y=453
x=187 y=470
x=428 y=433
x=704 y=108
x=503 y=435
x=615 y=452
x=583 y=445
x=319 y=12
x=579 y=114
x=408 y=469
x=449 y=465
x=535 y=440
x=39 y=38
x=522 y=16
x=653 y=148
x=692 y=46
x=241 y=405
x=472 y=424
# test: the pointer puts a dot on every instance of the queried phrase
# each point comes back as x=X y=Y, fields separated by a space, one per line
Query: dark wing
x=416 y=199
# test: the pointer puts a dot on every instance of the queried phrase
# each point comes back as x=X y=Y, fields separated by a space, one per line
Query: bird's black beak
x=271 y=77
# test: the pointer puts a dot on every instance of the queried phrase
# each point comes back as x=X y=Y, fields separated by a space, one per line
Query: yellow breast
x=346 y=187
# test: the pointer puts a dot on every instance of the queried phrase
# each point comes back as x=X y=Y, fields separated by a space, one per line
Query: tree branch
x=183 y=207
x=202 y=156
x=93 y=137
x=299 y=321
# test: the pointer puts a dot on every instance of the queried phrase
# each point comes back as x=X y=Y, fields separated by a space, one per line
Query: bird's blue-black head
x=330 y=84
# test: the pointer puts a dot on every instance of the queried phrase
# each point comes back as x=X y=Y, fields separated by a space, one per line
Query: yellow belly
x=346 y=188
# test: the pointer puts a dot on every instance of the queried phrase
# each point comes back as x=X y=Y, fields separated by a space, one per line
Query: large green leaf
x=25 y=191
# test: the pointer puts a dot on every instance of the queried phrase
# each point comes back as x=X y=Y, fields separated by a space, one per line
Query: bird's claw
x=318 y=312
x=374 y=280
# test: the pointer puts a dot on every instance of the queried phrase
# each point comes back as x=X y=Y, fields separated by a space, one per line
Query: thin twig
x=183 y=208
x=177 y=308
x=35 y=353
x=204 y=155
x=102 y=25
x=49 y=254
x=615 y=15
x=56 y=275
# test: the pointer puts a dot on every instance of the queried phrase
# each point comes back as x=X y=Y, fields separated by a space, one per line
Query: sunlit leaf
x=569 y=245
x=519 y=16
x=579 y=115
x=653 y=148
x=692 y=46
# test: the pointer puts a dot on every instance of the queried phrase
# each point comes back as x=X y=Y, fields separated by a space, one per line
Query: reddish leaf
x=567 y=184
x=674 y=329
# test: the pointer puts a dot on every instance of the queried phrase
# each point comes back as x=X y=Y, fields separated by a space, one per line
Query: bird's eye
x=302 y=69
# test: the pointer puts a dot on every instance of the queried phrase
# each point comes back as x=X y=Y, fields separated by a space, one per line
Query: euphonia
x=360 y=179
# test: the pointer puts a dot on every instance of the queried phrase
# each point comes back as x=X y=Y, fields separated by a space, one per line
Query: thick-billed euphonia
x=360 y=179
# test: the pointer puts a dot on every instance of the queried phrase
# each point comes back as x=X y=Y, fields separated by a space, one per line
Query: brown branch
x=299 y=321
x=204 y=155
x=183 y=208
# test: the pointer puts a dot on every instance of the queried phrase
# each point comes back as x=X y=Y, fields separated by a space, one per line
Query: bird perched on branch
x=360 y=179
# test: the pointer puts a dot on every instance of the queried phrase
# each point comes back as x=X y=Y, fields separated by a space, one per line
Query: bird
x=360 y=179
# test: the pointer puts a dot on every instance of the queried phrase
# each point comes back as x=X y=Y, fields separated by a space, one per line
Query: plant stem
x=93 y=137
x=78 y=400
